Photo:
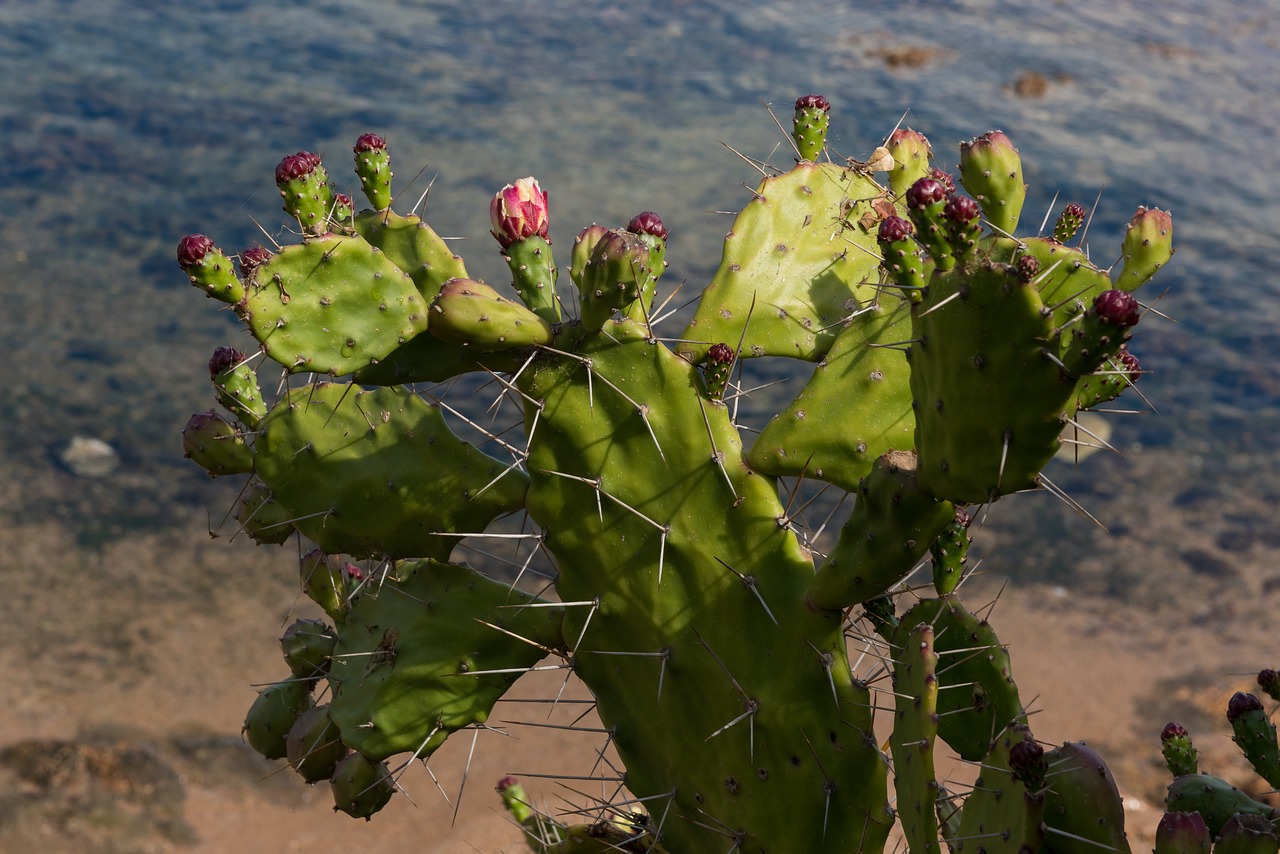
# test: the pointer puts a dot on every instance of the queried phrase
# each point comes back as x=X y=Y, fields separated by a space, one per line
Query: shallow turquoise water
x=124 y=126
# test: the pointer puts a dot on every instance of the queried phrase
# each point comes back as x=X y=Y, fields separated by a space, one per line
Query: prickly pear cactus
x=949 y=355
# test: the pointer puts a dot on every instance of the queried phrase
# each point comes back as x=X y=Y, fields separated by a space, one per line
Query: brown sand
x=154 y=642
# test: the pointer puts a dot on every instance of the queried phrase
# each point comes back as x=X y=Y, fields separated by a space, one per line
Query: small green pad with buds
x=1255 y=734
x=796 y=264
x=809 y=129
x=1003 y=814
x=855 y=407
x=1216 y=800
x=1083 y=812
x=428 y=653
x=977 y=694
x=915 y=726
x=891 y=527
x=332 y=305
x=379 y=473
x=474 y=315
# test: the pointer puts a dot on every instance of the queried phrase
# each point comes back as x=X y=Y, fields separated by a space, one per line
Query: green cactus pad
x=1216 y=800
x=915 y=725
x=949 y=552
x=273 y=714
x=378 y=473
x=701 y=654
x=991 y=171
x=1148 y=246
x=262 y=517
x=891 y=527
x=308 y=647
x=1001 y=816
x=413 y=659
x=912 y=156
x=1083 y=812
x=313 y=745
x=977 y=696
x=796 y=264
x=533 y=275
x=1247 y=834
x=414 y=247
x=361 y=786
x=1255 y=735
x=855 y=407
x=332 y=305
x=472 y=314
x=237 y=390
x=214 y=444
x=989 y=395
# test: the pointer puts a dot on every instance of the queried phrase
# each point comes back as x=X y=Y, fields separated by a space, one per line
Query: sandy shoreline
x=156 y=641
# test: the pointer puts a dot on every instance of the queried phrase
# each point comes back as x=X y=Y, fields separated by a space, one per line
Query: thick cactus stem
x=915 y=725
x=373 y=167
x=991 y=171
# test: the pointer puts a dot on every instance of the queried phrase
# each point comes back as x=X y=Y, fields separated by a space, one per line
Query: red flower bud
x=519 y=211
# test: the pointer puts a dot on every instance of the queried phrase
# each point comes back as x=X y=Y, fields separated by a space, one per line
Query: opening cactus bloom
x=519 y=211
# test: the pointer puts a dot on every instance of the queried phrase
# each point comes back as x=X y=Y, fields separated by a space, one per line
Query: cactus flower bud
x=960 y=210
x=369 y=142
x=926 y=192
x=192 y=249
x=1240 y=704
x=519 y=211
x=946 y=179
x=895 y=228
x=1117 y=308
x=295 y=166
x=1269 y=681
x=1027 y=762
x=649 y=223
x=252 y=258
x=1172 y=730
x=222 y=359
x=1027 y=267
x=1069 y=222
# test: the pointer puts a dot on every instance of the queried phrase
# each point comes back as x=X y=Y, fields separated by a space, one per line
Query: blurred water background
x=125 y=124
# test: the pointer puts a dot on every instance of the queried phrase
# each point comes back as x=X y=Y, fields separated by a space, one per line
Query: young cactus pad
x=711 y=625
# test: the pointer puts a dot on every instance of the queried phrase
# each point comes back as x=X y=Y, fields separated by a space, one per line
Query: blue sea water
x=125 y=124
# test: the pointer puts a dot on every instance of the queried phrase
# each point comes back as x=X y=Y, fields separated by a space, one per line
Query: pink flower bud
x=519 y=211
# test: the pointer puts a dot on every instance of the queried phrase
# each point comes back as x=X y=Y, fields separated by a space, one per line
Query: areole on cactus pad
x=711 y=628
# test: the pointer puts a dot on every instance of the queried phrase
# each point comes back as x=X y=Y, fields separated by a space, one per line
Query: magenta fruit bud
x=369 y=142
x=296 y=165
x=961 y=210
x=506 y=783
x=1241 y=704
x=1027 y=268
x=192 y=249
x=1026 y=760
x=649 y=223
x=945 y=179
x=721 y=354
x=926 y=192
x=519 y=211
x=1172 y=730
x=895 y=228
x=812 y=102
x=1117 y=308
x=251 y=259
x=222 y=359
